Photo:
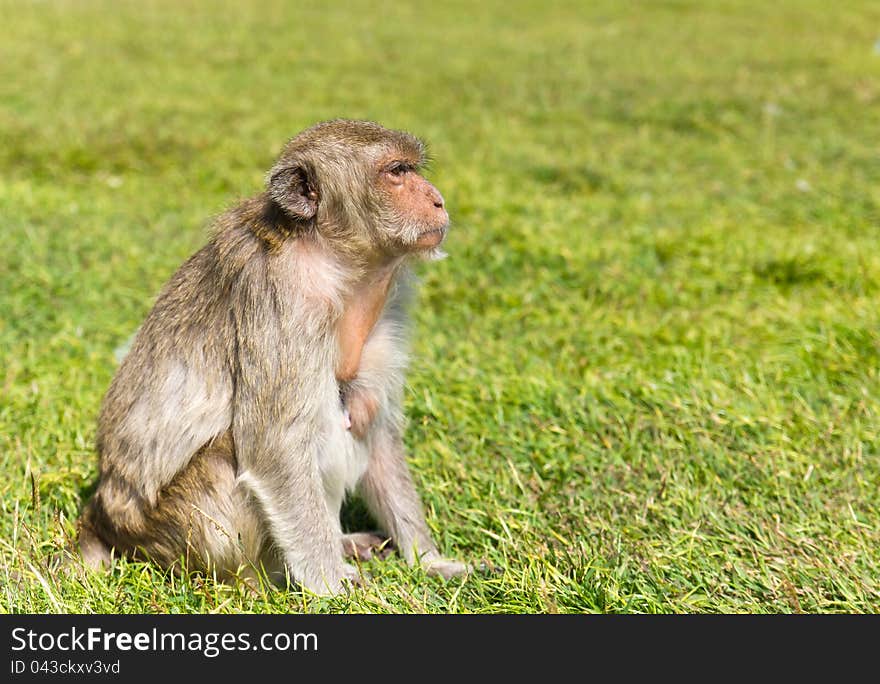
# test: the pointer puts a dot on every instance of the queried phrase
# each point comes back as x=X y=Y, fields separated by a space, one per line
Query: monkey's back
x=164 y=430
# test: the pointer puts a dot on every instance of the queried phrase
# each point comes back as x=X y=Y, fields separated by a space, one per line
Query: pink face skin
x=417 y=200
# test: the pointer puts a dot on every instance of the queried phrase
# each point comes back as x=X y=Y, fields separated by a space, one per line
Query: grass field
x=647 y=378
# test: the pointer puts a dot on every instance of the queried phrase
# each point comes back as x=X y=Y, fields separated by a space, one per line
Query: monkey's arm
x=282 y=379
x=390 y=494
x=387 y=486
x=280 y=472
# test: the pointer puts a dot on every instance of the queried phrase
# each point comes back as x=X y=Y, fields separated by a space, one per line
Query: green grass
x=647 y=379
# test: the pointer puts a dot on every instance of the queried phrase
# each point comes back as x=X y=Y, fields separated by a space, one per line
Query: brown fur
x=222 y=437
x=172 y=531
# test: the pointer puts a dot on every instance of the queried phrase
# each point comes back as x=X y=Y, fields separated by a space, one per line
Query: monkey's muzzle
x=431 y=238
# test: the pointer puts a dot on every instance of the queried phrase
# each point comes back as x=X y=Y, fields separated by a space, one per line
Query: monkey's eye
x=398 y=169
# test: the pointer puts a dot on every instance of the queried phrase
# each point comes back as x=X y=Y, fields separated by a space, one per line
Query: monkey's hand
x=359 y=411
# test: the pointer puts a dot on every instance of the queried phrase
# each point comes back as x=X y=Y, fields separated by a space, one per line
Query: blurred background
x=646 y=377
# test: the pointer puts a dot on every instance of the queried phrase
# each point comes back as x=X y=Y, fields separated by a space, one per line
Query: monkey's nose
x=436 y=197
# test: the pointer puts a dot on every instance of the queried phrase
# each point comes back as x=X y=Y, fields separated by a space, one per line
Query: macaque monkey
x=267 y=381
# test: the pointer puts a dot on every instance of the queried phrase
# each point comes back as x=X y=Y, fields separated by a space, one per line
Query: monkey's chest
x=343 y=459
x=363 y=307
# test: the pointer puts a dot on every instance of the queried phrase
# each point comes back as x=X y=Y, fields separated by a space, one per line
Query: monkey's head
x=359 y=185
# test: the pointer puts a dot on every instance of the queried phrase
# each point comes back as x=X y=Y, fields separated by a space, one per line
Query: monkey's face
x=415 y=213
x=359 y=184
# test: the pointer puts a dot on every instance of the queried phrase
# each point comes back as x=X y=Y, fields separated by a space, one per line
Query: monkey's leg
x=389 y=493
x=201 y=520
x=95 y=552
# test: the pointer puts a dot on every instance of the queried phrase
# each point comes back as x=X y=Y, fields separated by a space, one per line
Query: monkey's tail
x=95 y=552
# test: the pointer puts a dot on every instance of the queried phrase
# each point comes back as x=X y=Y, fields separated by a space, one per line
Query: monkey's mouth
x=431 y=238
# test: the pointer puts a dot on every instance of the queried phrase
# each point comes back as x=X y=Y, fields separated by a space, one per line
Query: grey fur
x=222 y=439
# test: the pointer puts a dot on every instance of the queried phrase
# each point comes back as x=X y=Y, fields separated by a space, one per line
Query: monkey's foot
x=365 y=546
x=445 y=568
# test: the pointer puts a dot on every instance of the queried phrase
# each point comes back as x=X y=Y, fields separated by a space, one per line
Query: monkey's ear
x=293 y=189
